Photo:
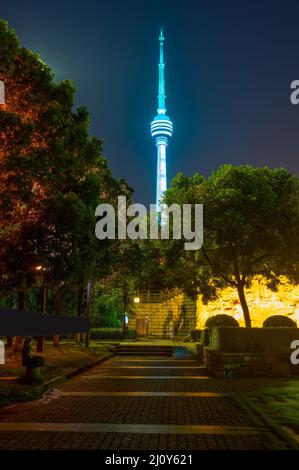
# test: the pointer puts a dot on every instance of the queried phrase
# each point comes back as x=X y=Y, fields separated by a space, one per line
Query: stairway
x=144 y=350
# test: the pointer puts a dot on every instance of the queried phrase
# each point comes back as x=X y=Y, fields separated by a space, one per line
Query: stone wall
x=174 y=315
x=262 y=303
x=180 y=312
x=221 y=364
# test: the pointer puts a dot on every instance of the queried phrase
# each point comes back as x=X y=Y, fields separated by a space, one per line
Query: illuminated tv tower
x=161 y=130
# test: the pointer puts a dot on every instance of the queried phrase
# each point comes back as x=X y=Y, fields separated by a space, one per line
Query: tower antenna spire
x=161 y=93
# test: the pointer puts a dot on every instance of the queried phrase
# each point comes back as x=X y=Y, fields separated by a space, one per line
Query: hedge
x=195 y=335
x=34 y=361
x=111 y=333
x=230 y=339
x=276 y=321
x=204 y=337
x=221 y=319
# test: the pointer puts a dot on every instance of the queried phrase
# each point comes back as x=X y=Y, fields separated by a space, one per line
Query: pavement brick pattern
x=107 y=408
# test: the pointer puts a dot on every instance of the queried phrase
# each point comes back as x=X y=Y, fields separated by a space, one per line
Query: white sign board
x=2 y=92
x=2 y=353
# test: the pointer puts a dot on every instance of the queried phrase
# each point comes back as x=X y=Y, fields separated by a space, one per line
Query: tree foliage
x=251 y=226
x=53 y=175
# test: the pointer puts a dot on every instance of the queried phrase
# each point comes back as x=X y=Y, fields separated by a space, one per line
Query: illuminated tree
x=251 y=226
x=53 y=176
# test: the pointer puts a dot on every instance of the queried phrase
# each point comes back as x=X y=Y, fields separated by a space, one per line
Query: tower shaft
x=161 y=186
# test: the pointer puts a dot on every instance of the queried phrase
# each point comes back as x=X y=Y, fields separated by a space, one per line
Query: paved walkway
x=140 y=404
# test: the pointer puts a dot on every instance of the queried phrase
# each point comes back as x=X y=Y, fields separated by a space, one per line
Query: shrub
x=221 y=320
x=195 y=335
x=110 y=333
x=279 y=321
x=253 y=340
x=34 y=361
x=204 y=337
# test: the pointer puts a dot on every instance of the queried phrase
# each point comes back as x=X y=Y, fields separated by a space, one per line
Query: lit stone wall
x=262 y=303
x=179 y=310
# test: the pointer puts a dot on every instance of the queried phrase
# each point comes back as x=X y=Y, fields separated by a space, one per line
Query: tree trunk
x=244 y=305
x=56 y=311
x=21 y=306
x=124 y=314
x=40 y=339
x=124 y=324
x=21 y=300
x=79 y=336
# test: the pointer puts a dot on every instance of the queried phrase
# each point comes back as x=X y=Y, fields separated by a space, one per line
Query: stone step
x=144 y=350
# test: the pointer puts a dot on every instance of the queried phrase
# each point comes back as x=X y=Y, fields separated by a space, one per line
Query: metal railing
x=152 y=297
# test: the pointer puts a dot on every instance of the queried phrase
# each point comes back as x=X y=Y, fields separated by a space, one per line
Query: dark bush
x=34 y=361
x=204 y=337
x=279 y=321
x=200 y=353
x=253 y=340
x=111 y=333
x=221 y=320
x=195 y=335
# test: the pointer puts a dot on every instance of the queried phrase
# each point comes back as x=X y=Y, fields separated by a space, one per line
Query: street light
x=40 y=340
x=88 y=296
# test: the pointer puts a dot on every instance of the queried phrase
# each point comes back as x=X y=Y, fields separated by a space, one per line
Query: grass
x=101 y=348
x=14 y=393
x=278 y=399
x=59 y=361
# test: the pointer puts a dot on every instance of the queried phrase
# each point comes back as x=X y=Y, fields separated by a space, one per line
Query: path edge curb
x=60 y=379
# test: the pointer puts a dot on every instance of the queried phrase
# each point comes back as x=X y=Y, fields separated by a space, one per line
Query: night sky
x=229 y=65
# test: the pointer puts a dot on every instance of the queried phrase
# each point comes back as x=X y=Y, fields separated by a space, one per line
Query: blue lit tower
x=161 y=130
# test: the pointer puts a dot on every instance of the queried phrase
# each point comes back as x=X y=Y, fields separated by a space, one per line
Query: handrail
x=156 y=297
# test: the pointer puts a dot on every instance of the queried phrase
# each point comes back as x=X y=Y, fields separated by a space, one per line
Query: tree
x=135 y=267
x=53 y=175
x=251 y=224
x=107 y=308
x=125 y=272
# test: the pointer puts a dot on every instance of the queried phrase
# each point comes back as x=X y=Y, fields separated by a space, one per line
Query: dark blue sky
x=229 y=68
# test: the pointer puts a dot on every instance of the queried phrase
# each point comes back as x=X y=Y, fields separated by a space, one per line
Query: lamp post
x=43 y=296
x=88 y=296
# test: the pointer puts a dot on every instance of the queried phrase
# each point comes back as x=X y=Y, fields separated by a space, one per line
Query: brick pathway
x=139 y=404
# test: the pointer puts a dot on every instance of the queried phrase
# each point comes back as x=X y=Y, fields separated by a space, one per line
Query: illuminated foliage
x=53 y=176
x=251 y=226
